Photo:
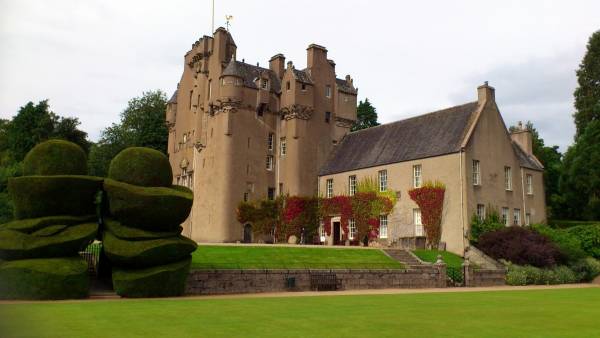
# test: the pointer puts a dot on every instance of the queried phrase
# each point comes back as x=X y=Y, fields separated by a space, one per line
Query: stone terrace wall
x=484 y=277
x=208 y=282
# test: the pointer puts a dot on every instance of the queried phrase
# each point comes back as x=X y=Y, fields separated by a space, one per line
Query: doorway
x=247 y=233
x=336 y=233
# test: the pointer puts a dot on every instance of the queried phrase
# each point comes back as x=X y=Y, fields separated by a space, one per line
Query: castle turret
x=231 y=83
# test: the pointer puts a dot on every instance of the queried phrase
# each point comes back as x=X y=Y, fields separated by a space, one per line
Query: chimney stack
x=485 y=93
x=316 y=56
x=522 y=136
x=276 y=64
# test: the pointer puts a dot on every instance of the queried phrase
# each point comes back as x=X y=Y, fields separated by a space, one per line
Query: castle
x=242 y=132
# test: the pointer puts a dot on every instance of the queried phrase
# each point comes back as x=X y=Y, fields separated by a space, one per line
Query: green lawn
x=451 y=260
x=272 y=257
x=538 y=313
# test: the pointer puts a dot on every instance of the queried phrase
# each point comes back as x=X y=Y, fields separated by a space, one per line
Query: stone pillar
x=441 y=269
x=467 y=272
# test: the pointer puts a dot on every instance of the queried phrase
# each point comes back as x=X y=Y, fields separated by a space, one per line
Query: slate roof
x=434 y=134
x=527 y=161
x=302 y=76
x=250 y=72
x=173 y=98
x=344 y=86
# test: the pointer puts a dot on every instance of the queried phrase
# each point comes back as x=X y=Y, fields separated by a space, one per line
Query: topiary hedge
x=159 y=281
x=135 y=234
x=18 y=245
x=44 y=278
x=141 y=166
x=39 y=196
x=154 y=208
x=146 y=253
x=55 y=157
x=49 y=230
x=33 y=224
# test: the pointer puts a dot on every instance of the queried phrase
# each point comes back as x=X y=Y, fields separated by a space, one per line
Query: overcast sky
x=90 y=57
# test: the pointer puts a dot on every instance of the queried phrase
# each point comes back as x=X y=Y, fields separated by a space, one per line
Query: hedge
x=154 y=208
x=589 y=236
x=160 y=281
x=18 y=245
x=38 y=196
x=34 y=224
x=55 y=157
x=49 y=230
x=569 y=245
x=530 y=275
x=134 y=234
x=141 y=166
x=146 y=253
x=45 y=278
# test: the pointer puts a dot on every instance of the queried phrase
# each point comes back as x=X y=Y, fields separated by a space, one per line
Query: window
x=287 y=85
x=282 y=146
x=329 y=188
x=383 y=180
x=264 y=84
x=505 y=216
x=517 y=217
x=191 y=95
x=529 y=184
x=352 y=185
x=327 y=116
x=246 y=196
x=419 y=230
x=328 y=91
x=508 y=178
x=527 y=219
x=383 y=226
x=269 y=162
x=322 y=233
x=304 y=87
x=476 y=173
x=270 y=194
x=417 y=176
x=184 y=138
x=209 y=89
x=480 y=212
x=352 y=228
x=281 y=189
x=270 y=142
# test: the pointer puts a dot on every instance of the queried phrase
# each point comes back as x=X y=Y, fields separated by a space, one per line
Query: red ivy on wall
x=337 y=205
x=430 y=199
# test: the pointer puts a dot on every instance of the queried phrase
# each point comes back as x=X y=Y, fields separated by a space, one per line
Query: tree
x=366 y=116
x=142 y=125
x=587 y=94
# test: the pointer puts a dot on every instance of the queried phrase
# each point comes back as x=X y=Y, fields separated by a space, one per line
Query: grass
x=266 y=257
x=531 y=313
x=451 y=260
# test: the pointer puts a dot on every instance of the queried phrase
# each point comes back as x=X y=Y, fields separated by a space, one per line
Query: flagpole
x=213 y=18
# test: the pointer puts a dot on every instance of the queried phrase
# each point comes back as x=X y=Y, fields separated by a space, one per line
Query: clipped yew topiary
x=141 y=166
x=44 y=278
x=39 y=196
x=135 y=234
x=138 y=254
x=34 y=224
x=158 y=281
x=18 y=245
x=55 y=157
x=149 y=208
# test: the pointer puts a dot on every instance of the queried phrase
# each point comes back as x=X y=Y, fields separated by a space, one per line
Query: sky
x=408 y=57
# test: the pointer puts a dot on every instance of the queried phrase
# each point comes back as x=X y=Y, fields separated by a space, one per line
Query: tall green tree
x=366 y=116
x=142 y=124
x=587 y=94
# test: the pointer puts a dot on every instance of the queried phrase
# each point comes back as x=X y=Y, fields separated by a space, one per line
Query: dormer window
x=264 y=84
x=328 y=91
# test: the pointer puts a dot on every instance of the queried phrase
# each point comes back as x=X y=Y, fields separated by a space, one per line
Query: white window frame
x=352 y=185
x=328 y=91
x=382 y=180
x=505 y=216
x=270 y=162
x=322 y=234
x=417 y=172
x=329 y=188
x=264 y=84
x=352 y=228
x=418 y=222
x=508 y=181
x=282 y=146
x=383 y=226
x=527 y=219
x=270 y=141
x=476 y=173
x=529 y=184
x=481 y=212
x=517 y=216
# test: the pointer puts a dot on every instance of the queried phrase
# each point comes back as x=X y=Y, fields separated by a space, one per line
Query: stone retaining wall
x=208 y=282
x=484 y=277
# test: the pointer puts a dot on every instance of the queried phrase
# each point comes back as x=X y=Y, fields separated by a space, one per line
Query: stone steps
x=402 y=256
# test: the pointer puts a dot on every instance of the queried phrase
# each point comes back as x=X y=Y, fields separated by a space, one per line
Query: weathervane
x=228 y=18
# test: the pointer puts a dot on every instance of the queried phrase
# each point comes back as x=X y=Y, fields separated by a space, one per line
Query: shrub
x=46 y=278
x=49 y=230
x=134 y=234
x=55 y=157
x=18 y=245
x=33 y=224
x=154 y=208
x=522 y=246
x=568 y=244
x=146 y=253
x=586 y=269
x=39 y=196
x=530 y=275
x=589 y=236
x=141 y=166
x=159 y=281
x=492 y=222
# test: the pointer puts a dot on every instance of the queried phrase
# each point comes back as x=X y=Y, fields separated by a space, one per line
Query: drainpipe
x=462 y=199
x=523 y=191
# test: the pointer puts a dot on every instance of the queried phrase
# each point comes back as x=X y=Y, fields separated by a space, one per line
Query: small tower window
x=287 y=85
x=328 y=91
x=327 y=116
x=264 y=84
x=304 y=87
